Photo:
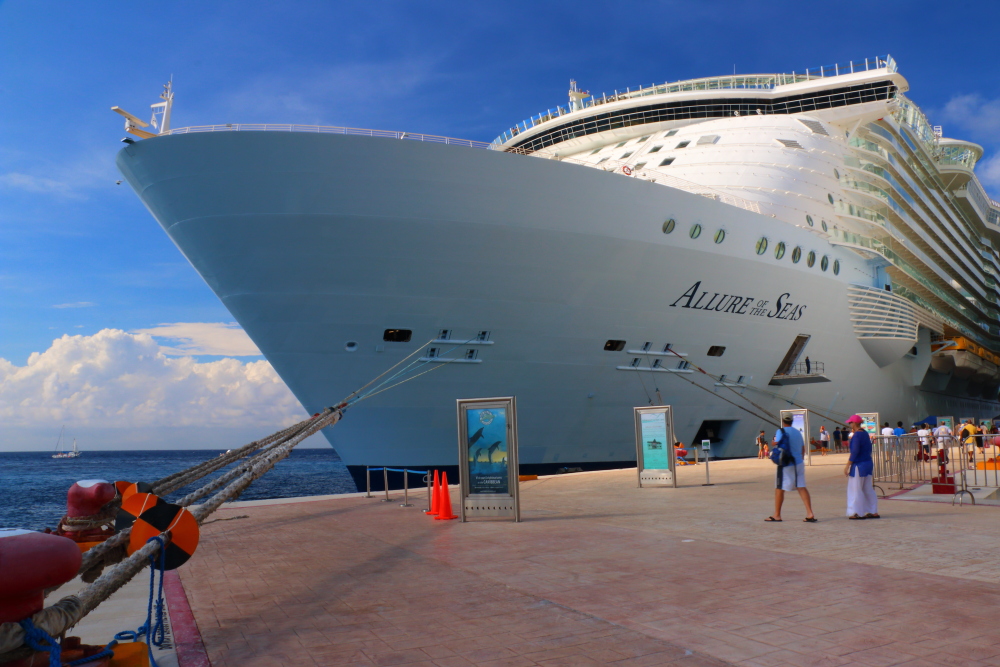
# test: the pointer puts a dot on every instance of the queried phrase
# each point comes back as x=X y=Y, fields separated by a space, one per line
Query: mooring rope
x=67 y=612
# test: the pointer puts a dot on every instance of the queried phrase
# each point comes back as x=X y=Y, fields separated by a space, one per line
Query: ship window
x=622 y=144
x=762 y=245
x=720 y=236
x=668 y=226
x=397 y=335
x=779 y=250
x=829 y=197
x=657 y=363
x=708 y=139
x=836 y=267
x=601 y=160
x=670 y=133
x=646 y=346
x=682 y=365
x=640 y=165
x=695 y=231
x=470 y=354
x=483 y=336
x=635 y=362
x=716 y=351
x=823 y=224
x=655 y=149
x=444 y=334
x=810 y=259
x=796 y=255
x=809 y=219
x=433 y=352
x=683 y=144
x=614 y=346
x=666 y=161
x=595 y=151
x=824 y=263
x=643 y=139
x=351 y=346
x=626 y=155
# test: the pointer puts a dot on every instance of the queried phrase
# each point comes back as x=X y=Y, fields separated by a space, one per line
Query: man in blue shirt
x=899 y=430
x=792 y=476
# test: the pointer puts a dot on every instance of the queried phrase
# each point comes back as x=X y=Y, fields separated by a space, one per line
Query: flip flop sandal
x=872 y=516
x=772 y=519
x=810 y=520
x=855 y=517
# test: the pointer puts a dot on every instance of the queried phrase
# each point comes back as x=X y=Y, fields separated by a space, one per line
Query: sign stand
x=487 y=458
x=800 y=422
x=656 y=461
x=706 y=447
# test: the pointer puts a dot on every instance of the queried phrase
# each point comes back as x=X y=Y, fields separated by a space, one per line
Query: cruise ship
x=730 y=246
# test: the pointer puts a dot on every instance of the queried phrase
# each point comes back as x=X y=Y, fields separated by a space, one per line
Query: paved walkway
x=601 y=572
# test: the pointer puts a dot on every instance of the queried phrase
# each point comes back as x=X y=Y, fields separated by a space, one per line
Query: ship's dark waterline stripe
x=720 y=108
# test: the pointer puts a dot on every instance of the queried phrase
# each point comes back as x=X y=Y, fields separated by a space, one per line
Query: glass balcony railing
x=735 y=82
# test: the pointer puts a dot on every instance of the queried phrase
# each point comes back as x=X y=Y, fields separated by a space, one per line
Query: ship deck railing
x=733 y=82
x=322 y=129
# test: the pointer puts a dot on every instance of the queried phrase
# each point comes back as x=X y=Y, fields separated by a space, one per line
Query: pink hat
x=854 y=418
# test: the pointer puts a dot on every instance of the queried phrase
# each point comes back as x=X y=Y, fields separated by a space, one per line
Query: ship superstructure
x=803 y=239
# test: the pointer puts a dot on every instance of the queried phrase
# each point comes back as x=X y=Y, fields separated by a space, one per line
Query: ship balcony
x=801 y=373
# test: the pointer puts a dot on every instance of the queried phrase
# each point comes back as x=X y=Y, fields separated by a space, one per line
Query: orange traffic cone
x=435 y=493
x=444 y=501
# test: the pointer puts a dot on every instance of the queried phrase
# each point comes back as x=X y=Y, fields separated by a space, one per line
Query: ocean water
x=33 y=485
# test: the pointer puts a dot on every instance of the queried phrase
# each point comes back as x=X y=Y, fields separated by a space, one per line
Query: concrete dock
x=601 y=573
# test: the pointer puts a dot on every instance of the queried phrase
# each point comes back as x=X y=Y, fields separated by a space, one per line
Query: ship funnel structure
x=885 y=324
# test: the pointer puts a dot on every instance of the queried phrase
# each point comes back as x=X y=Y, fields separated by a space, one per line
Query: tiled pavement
x=600 y=572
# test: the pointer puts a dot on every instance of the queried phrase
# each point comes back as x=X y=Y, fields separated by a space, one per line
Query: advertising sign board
x=487 y=456
x=654 y=446
x=947 y=421
x=870 y=422
x=800 y=422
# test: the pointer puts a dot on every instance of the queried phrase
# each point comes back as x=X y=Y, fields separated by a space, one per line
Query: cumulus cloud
x=204 y=338
x=979 y=116
x=75 y=304
x=988 y=171
x=115 y=379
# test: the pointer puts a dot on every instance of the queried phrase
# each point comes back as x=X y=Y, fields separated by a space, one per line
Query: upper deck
x=840 y=84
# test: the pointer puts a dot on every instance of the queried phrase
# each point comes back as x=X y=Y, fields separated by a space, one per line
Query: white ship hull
x=316 y=241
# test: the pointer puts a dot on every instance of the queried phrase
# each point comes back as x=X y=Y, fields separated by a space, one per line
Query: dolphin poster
x=487 y=450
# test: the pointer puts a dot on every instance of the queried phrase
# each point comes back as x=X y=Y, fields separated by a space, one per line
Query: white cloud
x=75 y=304
x=204 y=338
x=115 y=379
x=988 y=171
x=979 y=116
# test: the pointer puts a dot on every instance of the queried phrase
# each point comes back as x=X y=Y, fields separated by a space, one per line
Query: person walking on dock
x=862 y=503
x=792 y=476
x=762 y=452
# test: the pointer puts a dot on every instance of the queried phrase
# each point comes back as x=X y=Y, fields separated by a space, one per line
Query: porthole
x=836 y=174
x=830 y=197
x=796 y=255
x=823 y=224
x=351 y=346
x=779 y=250
x=668 y=226
x=824 y=263
x=811 y=259
x=836 y=267
x=762 y=245
x=809 y=219
x=695 y=231
x=720 y=236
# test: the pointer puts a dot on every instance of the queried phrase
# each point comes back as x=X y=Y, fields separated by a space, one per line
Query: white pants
x=861 y=498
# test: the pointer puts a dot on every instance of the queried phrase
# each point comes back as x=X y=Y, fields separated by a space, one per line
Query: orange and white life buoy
x=627 y=170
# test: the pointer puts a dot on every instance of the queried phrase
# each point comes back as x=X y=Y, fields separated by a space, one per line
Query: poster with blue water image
x=487 y=451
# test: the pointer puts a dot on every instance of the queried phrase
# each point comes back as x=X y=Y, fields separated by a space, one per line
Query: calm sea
x=33 y=485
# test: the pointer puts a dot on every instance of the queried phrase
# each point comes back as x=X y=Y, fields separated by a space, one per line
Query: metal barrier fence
x=908 y=461
x=406 y=484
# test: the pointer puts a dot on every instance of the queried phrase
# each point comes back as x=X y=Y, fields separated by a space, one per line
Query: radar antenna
x=160 y=119
x=576 y=96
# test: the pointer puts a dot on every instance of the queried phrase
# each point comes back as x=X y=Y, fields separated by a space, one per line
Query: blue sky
x=80 y=254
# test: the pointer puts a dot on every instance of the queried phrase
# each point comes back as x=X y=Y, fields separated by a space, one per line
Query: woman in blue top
x=862 y=503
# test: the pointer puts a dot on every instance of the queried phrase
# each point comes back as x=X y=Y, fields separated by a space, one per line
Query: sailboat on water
x=71 y=454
